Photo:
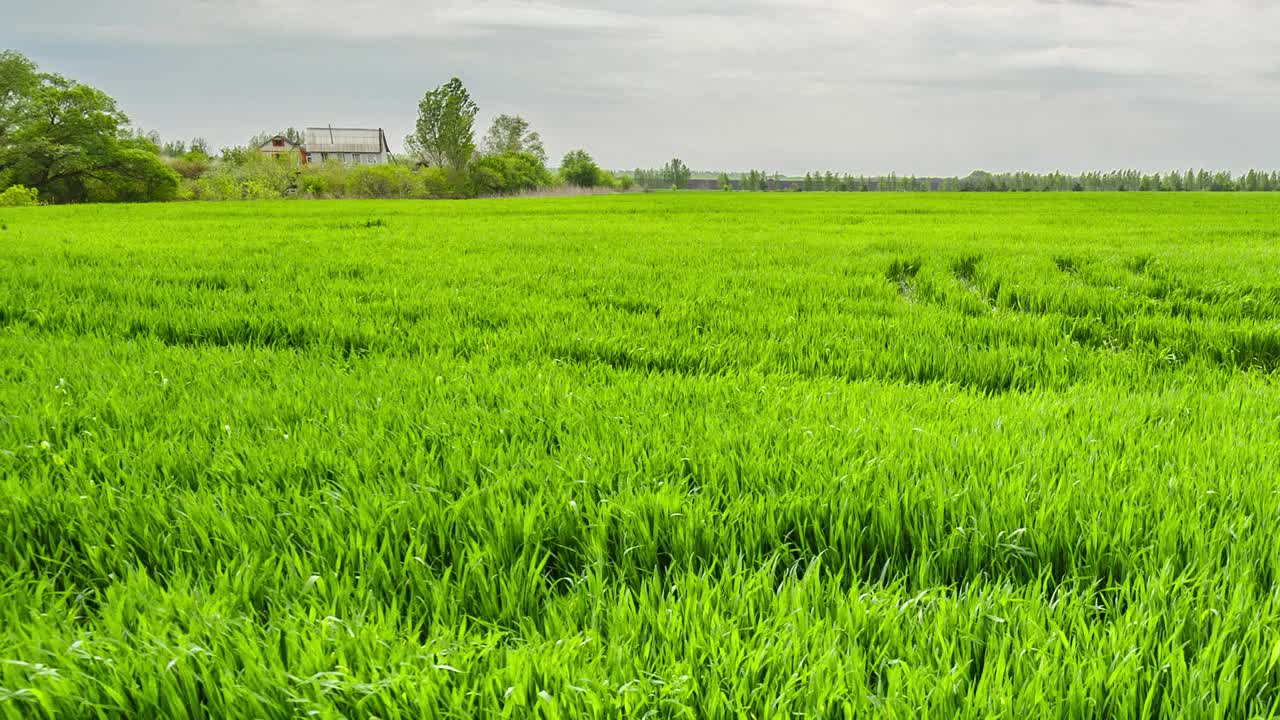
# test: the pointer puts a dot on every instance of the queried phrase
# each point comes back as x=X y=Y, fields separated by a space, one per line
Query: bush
x=191 y=166
x=379 y=181
x=507 y=174
x=255 y=177
x=19 y=196
x=487 y=179
x=327 y=179
x=313 y=185
x=255 y=190
x=259 y=178
x=215 y=187
x=433 y=182
x=579 y=169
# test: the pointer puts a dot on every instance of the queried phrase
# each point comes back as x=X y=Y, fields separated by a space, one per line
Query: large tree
x=676 y=173
x=580 y=169
x=511 y=134
x=18 y=80
x=71 y=141
x=444 y=135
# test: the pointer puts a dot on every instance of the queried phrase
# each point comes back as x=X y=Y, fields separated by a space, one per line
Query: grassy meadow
x=675 y=455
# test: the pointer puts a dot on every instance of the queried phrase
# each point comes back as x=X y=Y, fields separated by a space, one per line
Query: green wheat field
x=642 y=456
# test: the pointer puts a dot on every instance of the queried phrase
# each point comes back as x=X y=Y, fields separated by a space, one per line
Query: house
x=280 y=146
x=351 y=146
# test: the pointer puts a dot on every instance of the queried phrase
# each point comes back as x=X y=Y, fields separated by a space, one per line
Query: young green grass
x=674 y=455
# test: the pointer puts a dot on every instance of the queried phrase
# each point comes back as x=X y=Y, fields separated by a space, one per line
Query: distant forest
x=675 y=175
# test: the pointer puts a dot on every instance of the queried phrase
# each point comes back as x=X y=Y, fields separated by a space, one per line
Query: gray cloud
x=922 y=86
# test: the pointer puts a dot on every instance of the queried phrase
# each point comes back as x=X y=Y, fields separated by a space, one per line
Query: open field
x=674 y=455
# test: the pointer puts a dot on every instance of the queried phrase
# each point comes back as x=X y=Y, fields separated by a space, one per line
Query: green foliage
x=314 y=185
x=19 y=79
x=19 y=196
x=676 y=174
x=380 y=182
x=444 y=135
x=508 y=173
x=254 y=177
x=436 y=183
x=755 y=181
x=238 y=155
x=579 y=169
x=486 y=179
x=666 y=455
x=724 y=182
x=255 y=190
x=69 y=141
x=982 y=181
x=191 y=165
x=510 y=135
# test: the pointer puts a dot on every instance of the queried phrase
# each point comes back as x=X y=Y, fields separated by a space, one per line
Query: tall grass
x=702 y=455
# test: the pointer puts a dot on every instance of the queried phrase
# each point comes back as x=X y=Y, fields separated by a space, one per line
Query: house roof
x=269 y=144
x=346 y=140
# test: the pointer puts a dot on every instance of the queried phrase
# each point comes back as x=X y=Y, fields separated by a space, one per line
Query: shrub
x=215 y=187
x=379 y=181
x=255 y=190
x=363 y=182
x=255 y=177
x=327 y=179
x=19 y=196
x=578 y=168
x=507 y=173
x=313 y=184
x=191 y=166
x=433 y=182
x=486 y=179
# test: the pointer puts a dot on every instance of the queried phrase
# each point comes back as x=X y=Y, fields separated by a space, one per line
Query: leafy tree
x=724 y=182
x=676 y=174
x=173 y=149
x=508 y=173
x=237 y=155
x=69 y=141
x=444 y=135
x=18 y=80
x=511 y=134
x=580 y=169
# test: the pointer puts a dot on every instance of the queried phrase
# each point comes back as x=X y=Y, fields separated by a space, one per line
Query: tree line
x=443 y=159
x=979 y=181
x=62 y=141
x=676 y=175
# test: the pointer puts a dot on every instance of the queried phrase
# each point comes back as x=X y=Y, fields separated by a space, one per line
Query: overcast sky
x=864 y=86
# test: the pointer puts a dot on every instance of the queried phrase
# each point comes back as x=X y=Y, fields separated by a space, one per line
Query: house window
x=277 y=142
